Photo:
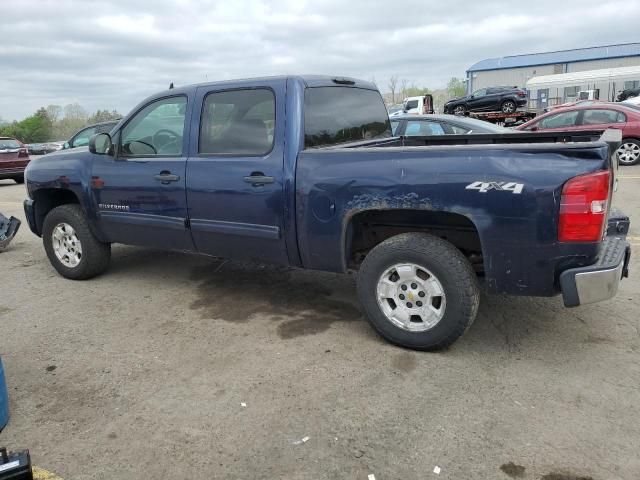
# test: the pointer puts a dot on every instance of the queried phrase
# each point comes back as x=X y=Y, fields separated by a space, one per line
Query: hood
x=466 y=97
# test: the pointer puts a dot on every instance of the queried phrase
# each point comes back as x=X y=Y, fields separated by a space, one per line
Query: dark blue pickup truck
x=304 y=171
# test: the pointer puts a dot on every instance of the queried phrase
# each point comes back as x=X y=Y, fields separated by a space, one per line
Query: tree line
x=54 y=123
x=455 y=88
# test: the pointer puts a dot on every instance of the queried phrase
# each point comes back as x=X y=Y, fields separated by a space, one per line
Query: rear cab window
x=335 y=115
x=9 y=144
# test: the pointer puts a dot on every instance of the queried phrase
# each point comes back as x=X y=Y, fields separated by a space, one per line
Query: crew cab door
x=235 y=172
x=139 y=193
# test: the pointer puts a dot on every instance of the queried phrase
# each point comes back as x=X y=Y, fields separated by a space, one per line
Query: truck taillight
x=583 y=208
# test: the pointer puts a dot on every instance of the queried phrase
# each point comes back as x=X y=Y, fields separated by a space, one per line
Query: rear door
x=235 y=172
x=140 y=192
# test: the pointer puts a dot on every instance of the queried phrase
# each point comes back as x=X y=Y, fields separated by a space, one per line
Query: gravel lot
x=145 y=372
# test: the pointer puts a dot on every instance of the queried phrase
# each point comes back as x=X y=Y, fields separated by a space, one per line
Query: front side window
x=480 y=93
x=156 y=130
x=82 y=138
x=238 y=122
x=423 y=129
x=334 y=115
x=560 y=120
x=597 y=117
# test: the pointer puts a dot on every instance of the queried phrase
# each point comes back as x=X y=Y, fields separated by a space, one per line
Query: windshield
x=334 y=115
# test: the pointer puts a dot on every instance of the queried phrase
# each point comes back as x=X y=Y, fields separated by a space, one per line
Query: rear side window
x=335 y=115
x=599 y=116
x=238 y=122
x=565 y=119
x=421 y=129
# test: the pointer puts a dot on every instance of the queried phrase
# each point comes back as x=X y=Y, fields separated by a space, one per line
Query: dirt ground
x=177 y=366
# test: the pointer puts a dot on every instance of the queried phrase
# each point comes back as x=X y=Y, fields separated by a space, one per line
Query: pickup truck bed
x=303 y=171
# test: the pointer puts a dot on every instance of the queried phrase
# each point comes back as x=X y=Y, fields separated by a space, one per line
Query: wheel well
x=49 y=198
x=368 y=229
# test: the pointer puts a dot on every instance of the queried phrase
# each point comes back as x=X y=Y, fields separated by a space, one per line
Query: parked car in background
x=595 y=116
x=425 y=125
x=633 y=101
x=81 y=137
x=629 y=93
x=504 y=99
x=394 y=109
x=14 y=158
x=419 y=105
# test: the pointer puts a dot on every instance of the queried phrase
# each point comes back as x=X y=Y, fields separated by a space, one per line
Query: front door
x=235 y=172
x=478 y=101
x=139 y=193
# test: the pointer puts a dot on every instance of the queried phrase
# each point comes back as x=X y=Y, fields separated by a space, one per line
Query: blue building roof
x=561 y=56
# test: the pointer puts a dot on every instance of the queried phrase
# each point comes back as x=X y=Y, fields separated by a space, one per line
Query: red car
x=14 y=158
x=595 y=117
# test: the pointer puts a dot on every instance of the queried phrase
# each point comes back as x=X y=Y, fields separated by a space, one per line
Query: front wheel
x=71 y=247
x=629 y=152
x=418 y=291
x=460 y=110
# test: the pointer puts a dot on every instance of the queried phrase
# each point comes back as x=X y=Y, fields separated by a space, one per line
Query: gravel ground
x=179 y=366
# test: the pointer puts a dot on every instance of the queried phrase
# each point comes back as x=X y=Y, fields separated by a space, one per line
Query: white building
x=603 y=84
x=517 y=70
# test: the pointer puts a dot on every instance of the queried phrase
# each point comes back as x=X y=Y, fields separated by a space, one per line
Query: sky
x=111 y=54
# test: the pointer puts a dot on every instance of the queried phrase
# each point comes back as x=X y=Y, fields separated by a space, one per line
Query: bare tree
x=393 y=82
x=403 y=87
x=54 y=112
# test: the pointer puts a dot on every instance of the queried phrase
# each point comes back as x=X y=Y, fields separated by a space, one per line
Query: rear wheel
x=629 y=152
x=508 y=106
x=459 y=110
x=418 y=291
x=71 y=247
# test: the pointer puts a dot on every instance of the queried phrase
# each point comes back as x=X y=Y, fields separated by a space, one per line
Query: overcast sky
x=111 y=54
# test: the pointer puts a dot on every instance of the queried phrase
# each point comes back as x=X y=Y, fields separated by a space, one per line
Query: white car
x=633 y=101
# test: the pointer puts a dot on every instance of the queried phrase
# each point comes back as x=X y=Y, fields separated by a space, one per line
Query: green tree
x=456 y=87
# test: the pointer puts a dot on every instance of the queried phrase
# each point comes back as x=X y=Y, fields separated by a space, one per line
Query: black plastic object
x=8 y=229
x=618 y=223
x=15 y=466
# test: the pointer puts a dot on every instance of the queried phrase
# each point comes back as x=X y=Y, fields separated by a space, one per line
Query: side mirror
x=66 y=145
x=101 y=144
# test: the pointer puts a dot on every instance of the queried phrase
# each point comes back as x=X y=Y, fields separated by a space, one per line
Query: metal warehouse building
x=519 y=69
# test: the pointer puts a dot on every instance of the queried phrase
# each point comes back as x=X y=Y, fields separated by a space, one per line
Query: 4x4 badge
x=484 y=187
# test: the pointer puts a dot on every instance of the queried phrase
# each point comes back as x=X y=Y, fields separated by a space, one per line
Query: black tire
x=19 y=179
x=508 y=106
x=95 y=254
x=630 y=160
x=451 y=269
x=459 y=110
